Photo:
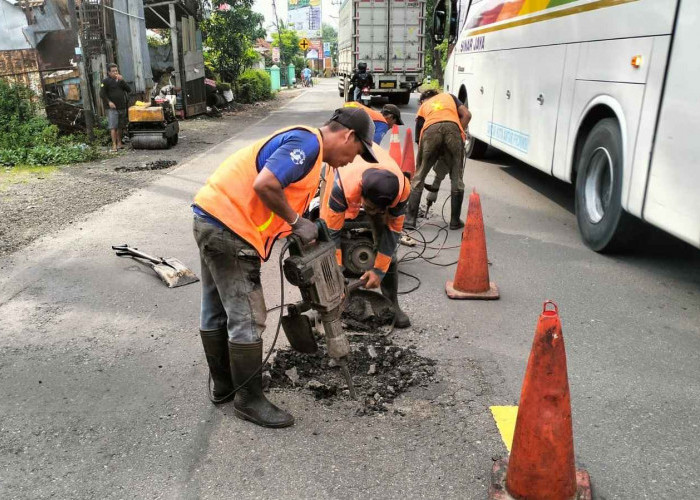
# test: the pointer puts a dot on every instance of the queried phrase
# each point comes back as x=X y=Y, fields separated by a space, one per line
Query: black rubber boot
x=456 y=204
x=250 y=402
x=390 y=289
x=412 y=210
x=216 y=350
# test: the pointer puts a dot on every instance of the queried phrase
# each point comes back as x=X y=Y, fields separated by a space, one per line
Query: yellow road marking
x=505 y=417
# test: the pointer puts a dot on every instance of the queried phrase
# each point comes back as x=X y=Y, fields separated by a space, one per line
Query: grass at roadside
x=23 y=174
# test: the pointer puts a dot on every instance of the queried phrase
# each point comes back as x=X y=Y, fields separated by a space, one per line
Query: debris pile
x=381 y=371
x=151 y=165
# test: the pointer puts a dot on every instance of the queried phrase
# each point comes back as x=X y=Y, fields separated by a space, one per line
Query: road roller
x=153 y=127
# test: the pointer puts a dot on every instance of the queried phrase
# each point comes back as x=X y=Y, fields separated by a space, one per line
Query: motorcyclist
x=361 y=78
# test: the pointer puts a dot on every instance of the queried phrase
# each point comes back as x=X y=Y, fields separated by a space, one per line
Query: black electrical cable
x=277 y=331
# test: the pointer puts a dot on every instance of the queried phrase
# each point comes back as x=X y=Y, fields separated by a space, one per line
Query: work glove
x=306 y=230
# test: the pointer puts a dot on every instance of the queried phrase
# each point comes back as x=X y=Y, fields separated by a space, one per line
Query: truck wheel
x=474 y=148
x=404 y=99
x=603 y=223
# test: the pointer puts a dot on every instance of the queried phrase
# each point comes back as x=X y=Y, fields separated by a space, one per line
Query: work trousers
x=440 y=146
x=232 y=294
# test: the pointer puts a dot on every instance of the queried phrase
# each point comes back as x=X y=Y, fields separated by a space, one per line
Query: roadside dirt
x=38 y=201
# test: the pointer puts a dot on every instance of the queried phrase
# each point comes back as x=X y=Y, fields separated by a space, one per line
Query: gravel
x=36 y=202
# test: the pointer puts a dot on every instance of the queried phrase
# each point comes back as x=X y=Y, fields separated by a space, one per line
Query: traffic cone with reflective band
x=541 y=464
x=408 y=163
x=472 y=275
x=395 y=145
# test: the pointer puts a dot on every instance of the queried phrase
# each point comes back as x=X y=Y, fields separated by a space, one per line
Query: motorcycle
x=365 y=97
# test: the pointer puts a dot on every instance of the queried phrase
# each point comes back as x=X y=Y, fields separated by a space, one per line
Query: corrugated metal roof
x=47 y=19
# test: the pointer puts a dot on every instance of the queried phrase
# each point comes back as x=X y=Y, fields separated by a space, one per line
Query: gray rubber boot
x=456 y=205
x=250 y=402
x=390 y=289
x=412 y=210
x=215 y=345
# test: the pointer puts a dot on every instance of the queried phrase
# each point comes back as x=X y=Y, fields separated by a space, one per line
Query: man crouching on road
x=383 y=191
x=254 y=197
x=440 y=124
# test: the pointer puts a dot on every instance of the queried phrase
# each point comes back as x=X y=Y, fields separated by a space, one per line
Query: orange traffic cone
x=541 y=464
x=395 y=145
x=472 y=275
x=408 y=163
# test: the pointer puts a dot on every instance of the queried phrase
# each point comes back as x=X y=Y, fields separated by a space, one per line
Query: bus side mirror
x=439 y=21
x=454 y=23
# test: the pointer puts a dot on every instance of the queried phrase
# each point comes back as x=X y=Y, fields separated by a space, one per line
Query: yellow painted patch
x=505 y=417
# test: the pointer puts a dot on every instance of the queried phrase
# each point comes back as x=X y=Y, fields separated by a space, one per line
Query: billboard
x=304 y=16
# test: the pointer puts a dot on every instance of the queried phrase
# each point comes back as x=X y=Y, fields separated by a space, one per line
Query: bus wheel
x=474 y=148
x=603 y=223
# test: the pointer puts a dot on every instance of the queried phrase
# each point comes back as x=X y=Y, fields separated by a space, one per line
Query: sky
x=328 y=11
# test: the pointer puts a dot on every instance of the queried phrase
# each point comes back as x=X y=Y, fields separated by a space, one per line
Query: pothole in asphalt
x=151 y=165
x=381 y=370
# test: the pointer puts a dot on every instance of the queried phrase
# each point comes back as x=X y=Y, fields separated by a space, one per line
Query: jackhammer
x=314 y=270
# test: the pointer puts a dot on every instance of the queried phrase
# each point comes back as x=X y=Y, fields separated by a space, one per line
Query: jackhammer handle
x=123 y=250
x=355 y=285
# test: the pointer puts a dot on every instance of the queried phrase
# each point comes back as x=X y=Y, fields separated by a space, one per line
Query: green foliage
x=290 y=45
x=253 y=85
x=160 y=37
x=228 y=37
x=28 y=138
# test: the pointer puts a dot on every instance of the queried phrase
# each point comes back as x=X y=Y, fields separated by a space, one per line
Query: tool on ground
x=395 y=145
x=173 y=272
x=541 y=463
x=472 y=274
x=314 y=270
x=153 y=127
x=408 y=162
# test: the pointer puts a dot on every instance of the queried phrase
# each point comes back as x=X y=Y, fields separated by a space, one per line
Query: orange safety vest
x=375 y=115
x=440 y=108
x=229 y=197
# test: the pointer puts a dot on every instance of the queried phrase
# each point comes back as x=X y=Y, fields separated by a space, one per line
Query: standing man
x=253 y=198
x=114 y=92
x=389 y=116
x=440 y=125
x=382 y=190
x=361 y=78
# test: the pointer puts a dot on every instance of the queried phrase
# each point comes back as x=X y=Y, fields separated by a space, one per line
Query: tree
x=229 y=34
x=330 y=34
x=290 y=43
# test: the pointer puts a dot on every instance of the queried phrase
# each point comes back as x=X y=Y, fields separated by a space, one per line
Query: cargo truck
x=389 y=36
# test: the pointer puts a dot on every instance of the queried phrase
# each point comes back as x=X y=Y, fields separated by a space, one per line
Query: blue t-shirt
x=289 y=156
x=380 y=130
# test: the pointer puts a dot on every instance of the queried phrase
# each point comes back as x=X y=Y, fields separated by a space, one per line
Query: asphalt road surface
x=103 y=375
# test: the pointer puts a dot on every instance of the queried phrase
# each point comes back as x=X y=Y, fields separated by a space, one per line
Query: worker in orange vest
x=440 y=124
x=382 y=190
x=254 y=197
x=383 y=121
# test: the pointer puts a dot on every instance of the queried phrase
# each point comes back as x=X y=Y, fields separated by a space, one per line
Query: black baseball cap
x=381 y=187
x=358 y=120
x=392 y=109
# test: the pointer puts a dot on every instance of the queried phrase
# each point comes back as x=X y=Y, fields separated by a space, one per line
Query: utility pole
x=84 y=87
x=279 y=34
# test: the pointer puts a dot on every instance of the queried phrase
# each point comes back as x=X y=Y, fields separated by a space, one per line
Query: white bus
x=601 y=93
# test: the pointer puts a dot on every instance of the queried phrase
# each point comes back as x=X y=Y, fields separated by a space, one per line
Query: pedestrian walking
x=114 y=92
x=440 y=124
x=254 y=197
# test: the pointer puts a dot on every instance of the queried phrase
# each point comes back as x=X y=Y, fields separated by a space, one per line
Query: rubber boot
x=216 y=350
x=412 y=210
x=456 y=204
x=250 y=403
x=390 y=289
